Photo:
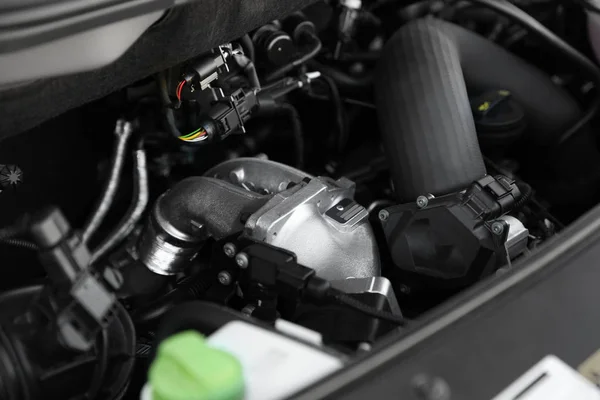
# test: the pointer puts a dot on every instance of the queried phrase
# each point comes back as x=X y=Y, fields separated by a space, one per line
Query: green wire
x=191 y=134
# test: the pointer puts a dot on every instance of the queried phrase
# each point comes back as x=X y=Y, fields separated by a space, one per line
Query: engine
x=296 y=196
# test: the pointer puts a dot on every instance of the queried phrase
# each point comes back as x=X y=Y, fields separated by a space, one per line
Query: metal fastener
x=229 y=249
x=340 y=207
x=498 y=228
x=224 y=278
x=242 y=260
x=384 y=215
x=422 y=201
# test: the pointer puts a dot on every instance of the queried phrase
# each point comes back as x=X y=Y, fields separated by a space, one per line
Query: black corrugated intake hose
x=424 y=78
x=425 y=114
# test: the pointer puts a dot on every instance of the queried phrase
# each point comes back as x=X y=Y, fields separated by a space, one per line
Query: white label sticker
x=551 y=379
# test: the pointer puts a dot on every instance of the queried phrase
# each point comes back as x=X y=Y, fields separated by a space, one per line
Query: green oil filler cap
x=186 y=368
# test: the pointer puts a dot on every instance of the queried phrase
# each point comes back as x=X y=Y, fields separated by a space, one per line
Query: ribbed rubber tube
x=425 y=115
x=424 y=111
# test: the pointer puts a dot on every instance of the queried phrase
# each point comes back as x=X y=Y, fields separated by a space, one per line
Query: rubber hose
x=248 y=47
x=532 y=25
x=218 y=204
x=424 y=77
x=297 y=132
x=340 y=113
x=249 y=69
x=123 y=131
x=343 y=80
x=312 y=53
x=100 y=371
x=136 y=209
x=425 y=114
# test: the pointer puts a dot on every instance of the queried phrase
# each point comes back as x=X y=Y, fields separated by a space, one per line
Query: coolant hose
x=426 y=73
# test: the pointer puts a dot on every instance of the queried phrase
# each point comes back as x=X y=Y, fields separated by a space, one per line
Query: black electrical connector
x=83 y=303
x=230 y=114
x=491 y=197
x=269 y=266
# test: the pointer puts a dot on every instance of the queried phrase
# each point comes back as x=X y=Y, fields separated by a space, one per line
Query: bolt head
x=340 y=207
x=384 y=215
x=229 y=250
x=422 y=201
x=224 y=278
x=497 y=228
x=242 y=260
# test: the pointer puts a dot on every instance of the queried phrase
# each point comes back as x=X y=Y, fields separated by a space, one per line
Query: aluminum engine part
x=316 y=218
x=377 y=285
x=323 y=226
x=164 y=249
x=518 y=237
x=258 y=175
x=192 y=211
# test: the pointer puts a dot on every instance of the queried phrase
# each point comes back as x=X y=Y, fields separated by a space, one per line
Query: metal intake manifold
x=314 y=217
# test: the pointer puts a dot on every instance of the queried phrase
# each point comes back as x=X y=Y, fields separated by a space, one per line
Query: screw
x=224 y=278
x=229 y=250
x=498 y=228
x=242 y=260
x=340 y=207
x=422 y=201
x=384 y=215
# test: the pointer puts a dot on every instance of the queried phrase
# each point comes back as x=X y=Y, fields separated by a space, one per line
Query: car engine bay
x=241 y=222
